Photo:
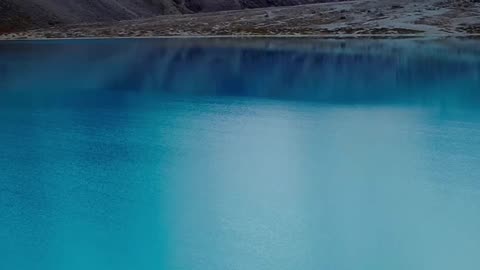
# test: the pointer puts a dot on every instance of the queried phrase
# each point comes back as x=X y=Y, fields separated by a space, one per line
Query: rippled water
x=240 y=154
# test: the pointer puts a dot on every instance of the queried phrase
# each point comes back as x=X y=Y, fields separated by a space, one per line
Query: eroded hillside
x=19 y=15
x=348 y=18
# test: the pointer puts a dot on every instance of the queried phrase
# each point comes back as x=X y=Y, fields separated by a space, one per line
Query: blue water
x=240 y=154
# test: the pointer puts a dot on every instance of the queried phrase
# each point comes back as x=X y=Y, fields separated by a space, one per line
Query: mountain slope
x=40 y=13
x=18 y=15
x=349 y=18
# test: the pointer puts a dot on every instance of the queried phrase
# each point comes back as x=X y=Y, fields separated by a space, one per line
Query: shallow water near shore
x=240 y=154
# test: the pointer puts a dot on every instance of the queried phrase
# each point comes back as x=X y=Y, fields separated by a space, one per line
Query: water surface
x=240 y=154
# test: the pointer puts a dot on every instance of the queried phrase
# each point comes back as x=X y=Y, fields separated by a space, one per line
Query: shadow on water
x=329 y=71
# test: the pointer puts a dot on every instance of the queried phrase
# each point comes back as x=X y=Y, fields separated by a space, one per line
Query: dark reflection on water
x=330 y=71
x=240 y=154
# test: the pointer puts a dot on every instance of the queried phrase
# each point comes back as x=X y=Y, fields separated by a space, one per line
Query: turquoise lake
x=219 y=154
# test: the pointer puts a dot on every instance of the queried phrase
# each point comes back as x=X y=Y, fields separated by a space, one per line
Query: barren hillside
x=24 y=14
x=349 y=18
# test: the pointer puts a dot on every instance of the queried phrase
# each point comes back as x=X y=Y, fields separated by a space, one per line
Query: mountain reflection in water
x=352 y=71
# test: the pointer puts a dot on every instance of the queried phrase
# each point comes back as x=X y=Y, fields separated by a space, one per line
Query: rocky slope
x=24 y=14
x=348 y=18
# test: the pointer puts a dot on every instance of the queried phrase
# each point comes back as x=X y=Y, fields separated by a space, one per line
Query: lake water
x=240 y=154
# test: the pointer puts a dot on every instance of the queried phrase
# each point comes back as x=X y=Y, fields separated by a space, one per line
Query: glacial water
x=240 y=154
